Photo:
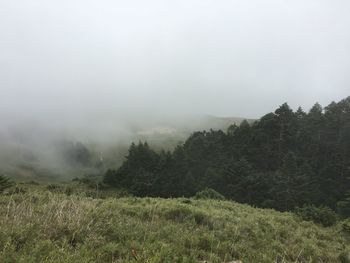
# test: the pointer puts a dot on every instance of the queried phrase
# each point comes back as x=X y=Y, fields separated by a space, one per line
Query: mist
x=108 y=72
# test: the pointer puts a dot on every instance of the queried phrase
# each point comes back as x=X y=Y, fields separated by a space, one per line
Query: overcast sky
x=227 y=58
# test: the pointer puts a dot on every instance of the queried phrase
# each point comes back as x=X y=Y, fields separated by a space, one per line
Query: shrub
x=203 y=219
x=16 y=190
x=32 y=182
x=209 y=193
x=4 y=184
x=345 y=227
x=343 y=207
x=178 y=214
x=122 y=193
x=68 y=191
x=344 y=257
x=320 y=215
x=186 y=201
x=54 y=188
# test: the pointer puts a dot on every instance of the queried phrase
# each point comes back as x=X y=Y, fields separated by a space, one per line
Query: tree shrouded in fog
x=284 y=160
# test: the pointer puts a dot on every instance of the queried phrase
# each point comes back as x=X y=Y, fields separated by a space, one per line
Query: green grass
x=47 y=226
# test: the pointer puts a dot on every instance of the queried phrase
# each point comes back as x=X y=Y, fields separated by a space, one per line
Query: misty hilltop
x=123 y=123
x=114 y=72
x=36 y=150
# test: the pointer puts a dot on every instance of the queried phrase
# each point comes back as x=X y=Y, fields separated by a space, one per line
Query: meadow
x=62 y=223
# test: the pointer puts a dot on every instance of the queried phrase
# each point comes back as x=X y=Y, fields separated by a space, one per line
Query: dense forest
x=287 y=159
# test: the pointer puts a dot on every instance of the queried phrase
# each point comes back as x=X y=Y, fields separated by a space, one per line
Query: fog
x=103 y=71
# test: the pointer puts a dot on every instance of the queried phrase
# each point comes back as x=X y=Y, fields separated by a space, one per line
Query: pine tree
x=285 y=159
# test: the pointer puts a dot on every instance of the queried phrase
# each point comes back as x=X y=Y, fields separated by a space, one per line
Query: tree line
x=284 y=160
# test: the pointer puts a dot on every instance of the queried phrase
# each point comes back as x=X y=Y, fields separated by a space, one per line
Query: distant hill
x=191 y=124
x=33 y=150
x=168 y=133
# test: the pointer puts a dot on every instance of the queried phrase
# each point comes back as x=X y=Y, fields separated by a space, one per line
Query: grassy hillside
x=50 y=226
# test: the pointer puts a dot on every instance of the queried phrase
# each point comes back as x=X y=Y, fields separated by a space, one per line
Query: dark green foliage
x=76 y=153
x=54 y=187
x=178 y=214
x=33 y=182
x=320 y=215
x=344 y=257
x=4 y=184
x=343 y=208
x=345 y=227
x=209 y=193
x=16 y=190
x=138 y=172
x=285 y=160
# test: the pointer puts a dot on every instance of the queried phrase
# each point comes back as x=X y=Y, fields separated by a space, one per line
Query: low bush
x=320 y=215
x=344 y=257
x=209 y=193
x=343 y=208
x=178 y=214
x=54 y=188
x=16 y=190
x=4 y=184
x=345 y=227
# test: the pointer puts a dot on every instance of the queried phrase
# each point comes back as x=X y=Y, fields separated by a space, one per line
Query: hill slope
x=36 y=151
x=40 y=226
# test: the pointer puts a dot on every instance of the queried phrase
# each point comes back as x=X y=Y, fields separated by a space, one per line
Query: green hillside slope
x=41 y=226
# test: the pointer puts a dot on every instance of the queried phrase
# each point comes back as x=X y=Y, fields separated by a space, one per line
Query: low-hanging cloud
x=96 y=70
x=75 y=59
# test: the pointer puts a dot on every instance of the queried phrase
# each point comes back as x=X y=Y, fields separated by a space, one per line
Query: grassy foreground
x=41 y=226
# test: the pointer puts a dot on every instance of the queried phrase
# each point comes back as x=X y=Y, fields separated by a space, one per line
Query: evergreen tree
x=284 y=160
